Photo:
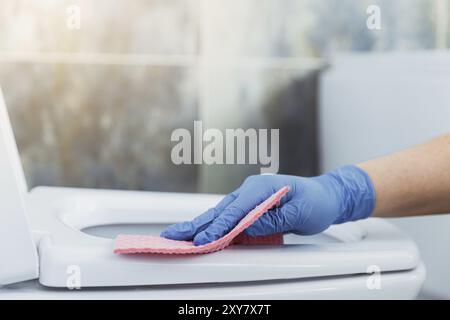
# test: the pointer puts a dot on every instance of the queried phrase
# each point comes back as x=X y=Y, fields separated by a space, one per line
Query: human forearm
x=414 y=181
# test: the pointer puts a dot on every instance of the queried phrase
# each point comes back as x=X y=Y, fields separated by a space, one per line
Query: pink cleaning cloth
x=128 y=244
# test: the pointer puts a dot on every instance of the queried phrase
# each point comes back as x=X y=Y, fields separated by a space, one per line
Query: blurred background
x=95 y=105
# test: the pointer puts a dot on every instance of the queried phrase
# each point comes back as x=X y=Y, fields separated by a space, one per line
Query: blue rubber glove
x=311 y=206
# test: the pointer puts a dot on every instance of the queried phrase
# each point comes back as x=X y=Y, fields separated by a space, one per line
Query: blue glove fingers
x=277 y=220
x=229 y=218
x=226 y=221
x=188 y=229
x=268 y=224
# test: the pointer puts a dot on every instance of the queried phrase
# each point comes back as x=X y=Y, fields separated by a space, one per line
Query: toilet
x=57 y=243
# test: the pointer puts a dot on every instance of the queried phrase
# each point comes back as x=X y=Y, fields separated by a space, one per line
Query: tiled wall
x=95 y=107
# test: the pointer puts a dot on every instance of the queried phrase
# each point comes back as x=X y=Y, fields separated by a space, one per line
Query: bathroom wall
x=94 y=106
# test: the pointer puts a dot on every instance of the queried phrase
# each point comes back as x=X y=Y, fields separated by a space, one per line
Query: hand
x=311 y=206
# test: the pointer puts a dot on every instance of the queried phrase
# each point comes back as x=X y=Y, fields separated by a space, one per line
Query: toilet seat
x=59 y=215
x=394 y=285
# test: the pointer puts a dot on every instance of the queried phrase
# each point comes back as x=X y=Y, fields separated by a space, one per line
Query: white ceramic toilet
x=55 y=238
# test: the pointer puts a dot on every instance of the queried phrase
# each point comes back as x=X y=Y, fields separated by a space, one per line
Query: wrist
x=356 y=193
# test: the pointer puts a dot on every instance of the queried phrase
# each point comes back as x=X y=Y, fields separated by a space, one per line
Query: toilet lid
x=18 y=253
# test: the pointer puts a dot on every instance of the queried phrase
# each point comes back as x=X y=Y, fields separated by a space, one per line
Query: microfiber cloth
x=127 y=244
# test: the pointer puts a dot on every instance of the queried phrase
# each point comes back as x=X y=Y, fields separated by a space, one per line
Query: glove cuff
x=357 y=194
